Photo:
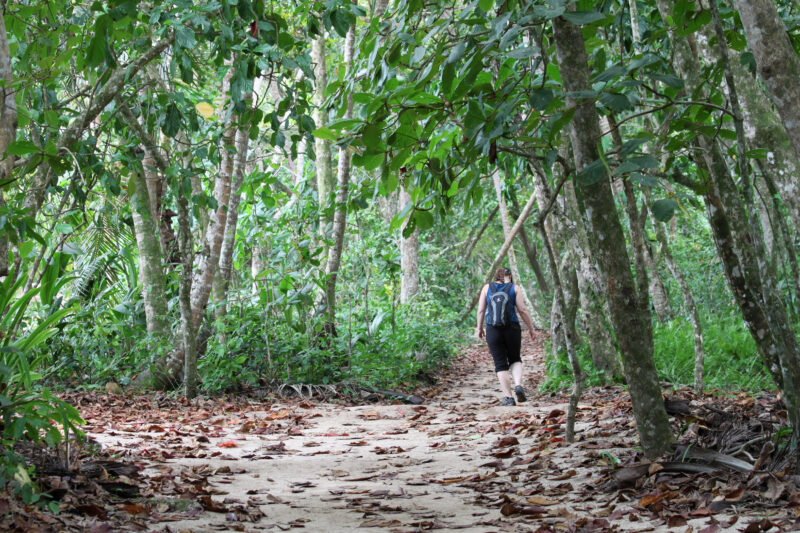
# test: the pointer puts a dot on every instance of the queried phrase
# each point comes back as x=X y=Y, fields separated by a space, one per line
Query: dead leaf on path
x=209 y=504
x=713 y=528
x=227 y=444
x=656 y=497
x=676 y=520
x=566 y=475
x=507 y=441
x=506 y=453
x=370 y=415
x=510 y=509
x=541 y=500
x=101 y=528
x=735 y=495
x=702 y=511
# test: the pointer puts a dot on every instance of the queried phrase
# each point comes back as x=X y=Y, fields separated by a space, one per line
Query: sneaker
x=520 y=393
x=508 y=400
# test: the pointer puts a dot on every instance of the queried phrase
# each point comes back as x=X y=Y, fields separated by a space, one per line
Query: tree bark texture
x=631 y=322
x=578 y=376
x=340 y=208
x=776 y=60
x=409 y=256
x=154 y=291
x=322 y=147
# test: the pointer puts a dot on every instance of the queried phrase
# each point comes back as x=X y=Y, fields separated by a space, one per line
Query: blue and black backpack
x=498 y=310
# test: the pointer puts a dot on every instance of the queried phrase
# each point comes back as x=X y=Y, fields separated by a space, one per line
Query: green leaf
x=643 y=179
x=485 y=5
x=324 y=133
x=540 y=98
x=592 y=173
x=615 y=101
x=184 y=37
x=424 y=219
x=664 y=210
x=172 y=121
x=448 y=74
x=610 y=73
x=457 y=52
x=524 y=53
x=668 y=79
x=22 y=148
x=757 y=153
x=583 y=17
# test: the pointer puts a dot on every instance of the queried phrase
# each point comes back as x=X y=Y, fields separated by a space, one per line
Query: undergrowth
x=731 y=363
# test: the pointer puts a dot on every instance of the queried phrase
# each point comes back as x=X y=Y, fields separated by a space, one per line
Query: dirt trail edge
x=458 y=462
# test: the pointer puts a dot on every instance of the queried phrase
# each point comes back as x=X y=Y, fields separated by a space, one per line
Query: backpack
x=498 y=311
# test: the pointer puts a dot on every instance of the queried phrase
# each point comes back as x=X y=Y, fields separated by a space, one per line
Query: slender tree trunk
x=594 y=305
x=776 y=59
x=409 y=256
x=577 y=373
x=340 y=212
x=8 y=130
x=689 y=305
x=322 y=147
x=631 y=322
x=154 y=292
x=186 y=251
x=530 y=252
x=240 y=168
x=470 y=246
x=512 y=256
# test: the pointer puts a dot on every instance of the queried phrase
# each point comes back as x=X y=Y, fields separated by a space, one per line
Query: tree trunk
x=409 y=256
x=512 y=256
x=530 y=252
x=631 y=322
x=8 y=131
x=240 y=168
x=186 y=252
x=689 y=305
x=776 y=59
x=577 y=373
x=340 y=212
x=470 y=246
x=154 y=291
x=322 y=147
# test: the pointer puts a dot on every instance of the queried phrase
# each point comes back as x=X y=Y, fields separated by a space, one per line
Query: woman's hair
x=501 y=274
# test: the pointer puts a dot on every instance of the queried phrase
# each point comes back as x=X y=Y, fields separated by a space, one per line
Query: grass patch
x=732 y=361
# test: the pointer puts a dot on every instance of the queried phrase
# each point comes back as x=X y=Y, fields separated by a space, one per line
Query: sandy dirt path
x=457 y=462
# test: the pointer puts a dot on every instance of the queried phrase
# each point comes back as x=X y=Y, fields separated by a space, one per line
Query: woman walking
x=501 y=306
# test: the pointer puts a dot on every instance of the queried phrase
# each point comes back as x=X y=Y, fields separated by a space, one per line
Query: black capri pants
x=504 y=344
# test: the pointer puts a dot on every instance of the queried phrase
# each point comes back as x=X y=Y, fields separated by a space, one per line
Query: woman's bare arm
x=481 y=312
x=523 y=312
